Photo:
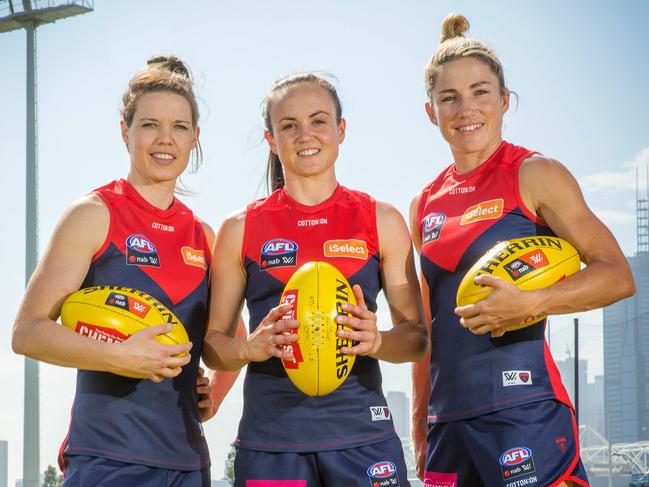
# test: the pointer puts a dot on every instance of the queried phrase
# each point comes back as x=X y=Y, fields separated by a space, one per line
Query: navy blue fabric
x=350 y=467
x=467 y=370
x=276 y=415
x=133 y=420
x=84 y=471
x=537 y=443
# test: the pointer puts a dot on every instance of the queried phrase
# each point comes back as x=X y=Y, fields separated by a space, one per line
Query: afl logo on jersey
x=514 y=456
x=141 y=251
x=516 y=461
x=278 y=252
x=432 y=226
x=140 y=243
x=383 y=474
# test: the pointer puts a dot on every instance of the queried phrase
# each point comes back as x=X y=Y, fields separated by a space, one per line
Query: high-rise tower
x=626 y=344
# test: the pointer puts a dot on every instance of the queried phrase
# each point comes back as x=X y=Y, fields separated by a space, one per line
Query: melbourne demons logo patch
x=141 y=251
x=278 y=252
x=431 y=227
x=516 y=378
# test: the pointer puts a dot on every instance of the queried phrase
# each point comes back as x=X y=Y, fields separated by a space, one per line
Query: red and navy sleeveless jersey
x=163 y=253
x=460 y=217
x=280 y=236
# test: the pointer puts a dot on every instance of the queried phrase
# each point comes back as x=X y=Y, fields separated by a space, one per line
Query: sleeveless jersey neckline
x=465 y=176
x=133 y=194
x=288 y=200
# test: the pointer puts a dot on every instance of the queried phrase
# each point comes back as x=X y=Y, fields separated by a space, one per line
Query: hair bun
x=454 y=25
x=170 y=63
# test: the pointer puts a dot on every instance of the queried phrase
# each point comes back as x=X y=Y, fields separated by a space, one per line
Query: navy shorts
x=533 y=445
x=377 y=465
x=83 y=471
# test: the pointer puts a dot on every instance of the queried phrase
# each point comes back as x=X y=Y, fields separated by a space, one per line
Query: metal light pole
x=29 y=14
x=576 y=322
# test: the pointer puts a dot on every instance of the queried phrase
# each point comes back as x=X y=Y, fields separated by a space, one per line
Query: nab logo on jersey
x=516 y=461
x=383 y=474
x=432 y=227
x=278 y=252
x=141 y=251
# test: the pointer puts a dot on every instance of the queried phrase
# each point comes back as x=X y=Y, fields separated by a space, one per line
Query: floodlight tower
x=28 y=15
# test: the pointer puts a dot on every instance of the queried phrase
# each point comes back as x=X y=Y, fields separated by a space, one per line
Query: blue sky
x=579 y=69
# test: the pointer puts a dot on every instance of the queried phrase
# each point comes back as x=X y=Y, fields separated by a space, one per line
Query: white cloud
x=641 y=159
x=619 y=180
x=609 y=181
x=614 y=217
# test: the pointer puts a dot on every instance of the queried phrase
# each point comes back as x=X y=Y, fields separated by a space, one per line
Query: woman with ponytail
x=123 y=431
x=345 y=438
x=488 y=400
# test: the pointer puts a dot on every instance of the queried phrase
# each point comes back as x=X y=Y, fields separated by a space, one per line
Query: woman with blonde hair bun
x=489 y=406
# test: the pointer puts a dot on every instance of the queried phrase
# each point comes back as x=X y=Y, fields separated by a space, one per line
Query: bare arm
x=223 y=349
x=406 y=340
x=222 y=380
x=213 y=387
x=550 y=191
x=421 y=386
x=77 y=237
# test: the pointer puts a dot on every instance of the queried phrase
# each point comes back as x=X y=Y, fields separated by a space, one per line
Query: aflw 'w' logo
x=516 y=378
x=380 y=413
x=137 y=307
x=510 y=375
x=537 y=258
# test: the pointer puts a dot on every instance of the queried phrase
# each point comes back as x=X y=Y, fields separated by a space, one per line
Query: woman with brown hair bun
x=127 y=431
x=344 y=438
x=489 y=401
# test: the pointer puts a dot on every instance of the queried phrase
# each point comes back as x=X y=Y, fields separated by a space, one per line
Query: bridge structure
x=603 y=458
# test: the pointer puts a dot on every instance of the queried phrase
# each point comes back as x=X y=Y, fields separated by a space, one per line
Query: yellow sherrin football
x=317 y=291
x=529 y=263
x=114 y=313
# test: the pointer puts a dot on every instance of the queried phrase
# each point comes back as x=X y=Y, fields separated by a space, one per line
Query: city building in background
x=400 y=408
x=623 y=412
x=4 y=463
x=591 y=394
x=567 y=370
x=399 y=405
x=626 y=346
x=626 y=360
x=592 y=411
